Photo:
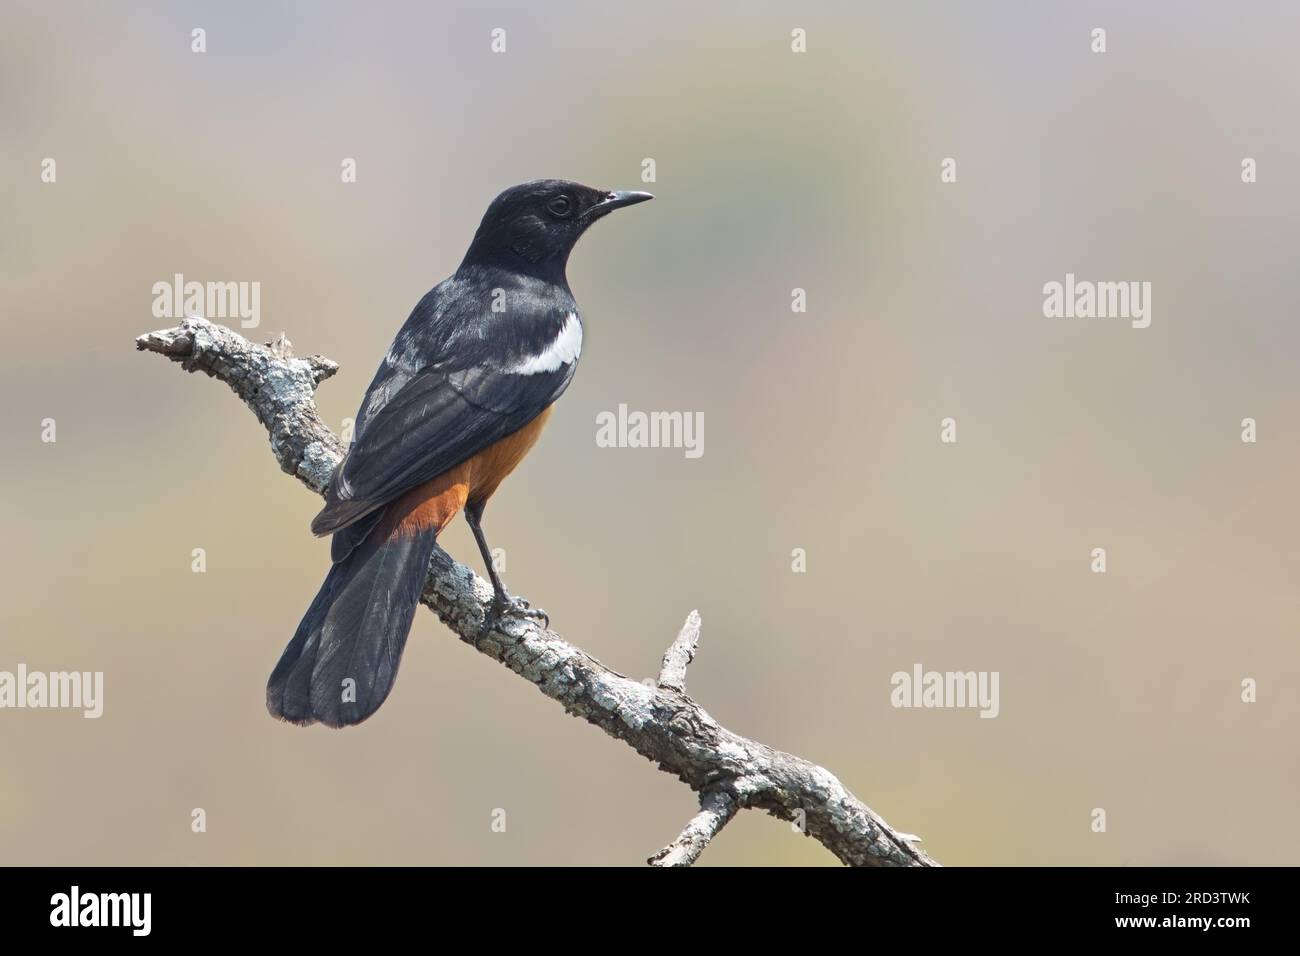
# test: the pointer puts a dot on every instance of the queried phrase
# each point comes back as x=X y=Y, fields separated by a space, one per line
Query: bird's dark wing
x=445 y=414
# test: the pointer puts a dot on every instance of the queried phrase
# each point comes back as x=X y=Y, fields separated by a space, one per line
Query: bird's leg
x=502 y=602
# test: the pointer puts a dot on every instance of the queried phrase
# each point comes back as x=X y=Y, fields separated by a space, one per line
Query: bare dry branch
x=716 y=809
x=662 y=723
x=680 y=653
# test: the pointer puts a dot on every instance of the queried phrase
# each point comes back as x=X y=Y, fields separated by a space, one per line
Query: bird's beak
x=616 y=199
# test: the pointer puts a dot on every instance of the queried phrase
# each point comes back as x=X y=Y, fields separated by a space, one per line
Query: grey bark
x=660 y=722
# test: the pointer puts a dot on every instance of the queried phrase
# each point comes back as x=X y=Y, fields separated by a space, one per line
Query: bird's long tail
x=343 y=659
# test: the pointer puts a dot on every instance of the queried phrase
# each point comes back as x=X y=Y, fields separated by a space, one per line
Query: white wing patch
x=565 y=349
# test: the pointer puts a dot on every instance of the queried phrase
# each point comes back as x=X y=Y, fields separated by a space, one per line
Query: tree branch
x=680 y=653
x=662 y=723
x=716 y=810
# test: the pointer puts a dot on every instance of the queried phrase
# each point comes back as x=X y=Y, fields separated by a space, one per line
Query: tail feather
x=342 y=661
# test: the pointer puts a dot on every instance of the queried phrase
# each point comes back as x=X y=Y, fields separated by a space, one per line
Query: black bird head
x=534 y=226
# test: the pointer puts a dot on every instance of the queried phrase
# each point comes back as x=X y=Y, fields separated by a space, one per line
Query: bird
x=461 y=397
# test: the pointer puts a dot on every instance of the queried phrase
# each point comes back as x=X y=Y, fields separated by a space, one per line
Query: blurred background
x=775 y=171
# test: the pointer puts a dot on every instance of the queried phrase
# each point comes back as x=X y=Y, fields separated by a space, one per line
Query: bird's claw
x=518 y=607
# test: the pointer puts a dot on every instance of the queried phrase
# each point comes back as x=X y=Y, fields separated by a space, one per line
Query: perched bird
x=456 y=404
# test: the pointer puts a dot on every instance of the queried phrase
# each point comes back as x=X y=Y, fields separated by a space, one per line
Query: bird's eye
x=560 y=207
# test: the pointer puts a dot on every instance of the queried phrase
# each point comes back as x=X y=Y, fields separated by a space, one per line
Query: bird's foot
x=507 y=606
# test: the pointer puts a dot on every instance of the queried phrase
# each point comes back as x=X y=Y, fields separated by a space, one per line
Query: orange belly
x=434 y=503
